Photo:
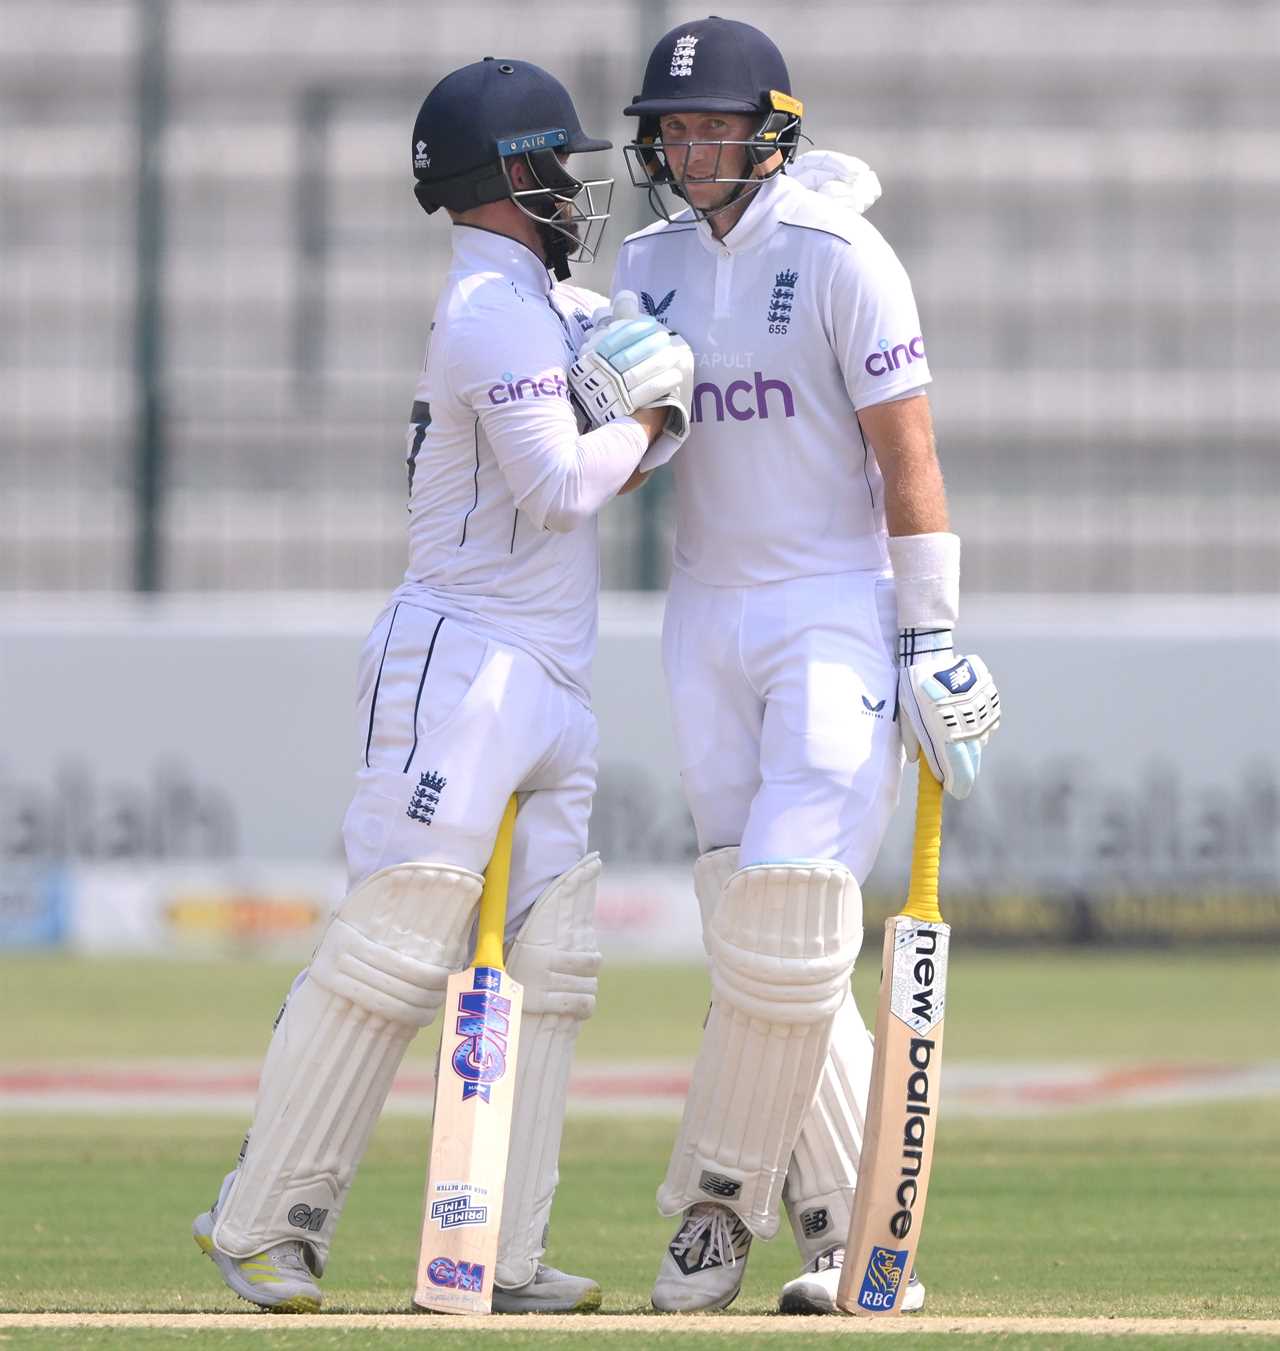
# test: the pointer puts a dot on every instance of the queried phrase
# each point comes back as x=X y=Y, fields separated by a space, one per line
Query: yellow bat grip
x=493 y=899
x=926 y=851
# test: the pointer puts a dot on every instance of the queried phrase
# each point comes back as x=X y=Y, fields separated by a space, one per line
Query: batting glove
x=843 y=179
x=949 y=705
x=630 y=362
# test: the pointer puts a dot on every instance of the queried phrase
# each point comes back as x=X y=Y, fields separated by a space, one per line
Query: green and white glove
x=630 y=362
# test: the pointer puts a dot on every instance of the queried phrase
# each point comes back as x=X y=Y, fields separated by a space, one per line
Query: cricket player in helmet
x=473 y=685
x=807 y=639
x=465 y=155
x=734 y=76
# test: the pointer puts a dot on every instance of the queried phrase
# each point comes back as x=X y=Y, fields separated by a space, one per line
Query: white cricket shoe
x=550 y=1291
x=814 y=1290
x=278 y=1279
x=704 y=1263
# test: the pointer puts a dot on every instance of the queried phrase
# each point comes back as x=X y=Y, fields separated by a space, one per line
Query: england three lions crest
x=781 y=300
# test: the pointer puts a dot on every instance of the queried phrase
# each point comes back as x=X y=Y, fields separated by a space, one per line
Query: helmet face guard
x=571 y=212
x=649 y=162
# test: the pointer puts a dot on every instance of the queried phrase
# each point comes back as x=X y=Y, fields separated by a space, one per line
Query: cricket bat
x=471 y=1132
x=902 y=1110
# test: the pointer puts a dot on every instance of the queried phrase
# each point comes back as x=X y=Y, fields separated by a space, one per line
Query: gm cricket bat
x=902 y=1110
x=475 y=1092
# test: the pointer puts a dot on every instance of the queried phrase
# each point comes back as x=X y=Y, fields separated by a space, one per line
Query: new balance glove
x=630 y=362
x=948 y=706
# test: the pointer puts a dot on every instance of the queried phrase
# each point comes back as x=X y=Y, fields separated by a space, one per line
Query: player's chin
x=708 y=196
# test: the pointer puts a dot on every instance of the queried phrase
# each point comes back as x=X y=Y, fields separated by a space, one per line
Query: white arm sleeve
x=512 y=375
x=875 y=326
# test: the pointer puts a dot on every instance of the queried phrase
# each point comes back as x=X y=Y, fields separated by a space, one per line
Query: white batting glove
x=843 y=179
x=949 y=707
x=630 y=362
x=626 y=309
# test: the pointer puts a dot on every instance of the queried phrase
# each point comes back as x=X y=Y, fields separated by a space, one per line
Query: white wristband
x=926 y=574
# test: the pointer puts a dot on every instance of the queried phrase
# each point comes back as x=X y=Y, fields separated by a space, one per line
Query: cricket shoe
x=814 y=1290
x=278 y=1279
x=550 y=1291
x=704 y=1263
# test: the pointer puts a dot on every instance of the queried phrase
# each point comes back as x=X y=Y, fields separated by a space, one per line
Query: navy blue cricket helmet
x=480 y=119
x=713 y=65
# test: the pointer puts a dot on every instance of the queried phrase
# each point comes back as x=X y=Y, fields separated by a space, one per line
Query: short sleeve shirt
x=801 y=316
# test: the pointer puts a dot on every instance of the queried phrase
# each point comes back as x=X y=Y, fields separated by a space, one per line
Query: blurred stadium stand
x=1085 y=194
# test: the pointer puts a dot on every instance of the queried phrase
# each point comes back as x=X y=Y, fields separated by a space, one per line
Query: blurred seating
x=1084 y=193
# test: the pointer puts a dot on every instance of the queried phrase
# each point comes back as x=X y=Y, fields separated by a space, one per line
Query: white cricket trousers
x=451 y=723
x=783 y=698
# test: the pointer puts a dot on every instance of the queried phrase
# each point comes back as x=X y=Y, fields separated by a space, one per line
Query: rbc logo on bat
x=450 y=1275
x=484 y=1024
x=883 y=1279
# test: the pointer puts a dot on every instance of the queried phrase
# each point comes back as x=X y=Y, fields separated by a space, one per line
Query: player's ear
x=520 y=174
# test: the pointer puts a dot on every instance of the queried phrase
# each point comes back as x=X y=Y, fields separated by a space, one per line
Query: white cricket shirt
x=503 y=489
x=801 y=315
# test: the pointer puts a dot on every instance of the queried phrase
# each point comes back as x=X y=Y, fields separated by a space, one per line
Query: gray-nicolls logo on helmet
x=712 y=66
x=485 y=118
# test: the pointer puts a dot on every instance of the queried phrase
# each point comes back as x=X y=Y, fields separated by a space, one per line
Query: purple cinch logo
x=551 y=385
x=741 y=399
x=888 y=359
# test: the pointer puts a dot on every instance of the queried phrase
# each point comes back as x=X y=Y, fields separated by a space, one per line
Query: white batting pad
x=818 y=1193
x=819 y=1190
x=783 y=941
x=555 y=959
x=711 y=872
x=378 y=976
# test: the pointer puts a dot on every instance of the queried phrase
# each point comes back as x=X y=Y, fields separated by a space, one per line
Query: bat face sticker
x=484 y=1026
x=883 y=1277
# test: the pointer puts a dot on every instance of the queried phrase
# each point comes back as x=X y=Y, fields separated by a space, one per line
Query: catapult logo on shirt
x=891 y=358
x=549 y=385
x=743 y=400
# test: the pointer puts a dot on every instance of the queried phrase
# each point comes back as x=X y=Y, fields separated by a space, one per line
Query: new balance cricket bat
x=471 y=1132
x=902 y=1110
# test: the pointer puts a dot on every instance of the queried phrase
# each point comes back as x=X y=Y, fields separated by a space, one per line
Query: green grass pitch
x=1169 y=1212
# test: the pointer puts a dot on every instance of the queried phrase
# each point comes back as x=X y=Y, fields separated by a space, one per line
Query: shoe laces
x=831 y=1260
x=712 y=1222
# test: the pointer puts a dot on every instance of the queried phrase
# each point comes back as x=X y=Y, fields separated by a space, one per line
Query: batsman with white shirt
x=807 y=639
x=473 y=686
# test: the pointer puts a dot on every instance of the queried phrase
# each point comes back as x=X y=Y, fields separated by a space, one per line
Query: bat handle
x=493 y=899
x=926 y=851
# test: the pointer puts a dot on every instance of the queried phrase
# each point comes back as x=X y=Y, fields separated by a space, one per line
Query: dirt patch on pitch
x=726 y=1324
